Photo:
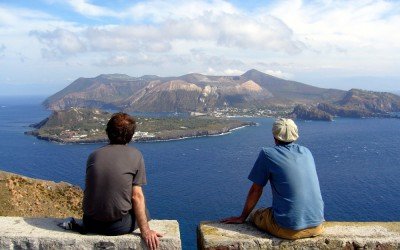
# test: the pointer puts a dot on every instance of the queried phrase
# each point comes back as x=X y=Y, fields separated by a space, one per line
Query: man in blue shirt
x=297 y=206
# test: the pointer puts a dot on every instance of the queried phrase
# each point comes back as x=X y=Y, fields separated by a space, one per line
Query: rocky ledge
x=24 y=196
x=337 y=235
x=43 y=233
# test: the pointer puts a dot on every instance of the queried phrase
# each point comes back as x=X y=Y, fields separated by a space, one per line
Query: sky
x=47 y=44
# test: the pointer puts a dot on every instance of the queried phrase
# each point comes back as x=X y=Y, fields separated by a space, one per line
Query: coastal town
x=81 y=125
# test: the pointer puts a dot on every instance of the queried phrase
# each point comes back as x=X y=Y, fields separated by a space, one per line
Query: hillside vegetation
x=80 y=125
x=28 y=197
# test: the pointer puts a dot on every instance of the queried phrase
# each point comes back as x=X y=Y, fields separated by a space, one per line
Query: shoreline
x=198 y=136
x=142 y=139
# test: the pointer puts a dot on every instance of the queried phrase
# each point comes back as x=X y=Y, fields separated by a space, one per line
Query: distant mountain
x=202 y=93
x=355 y=103
x=191 y=92
x=376 y=102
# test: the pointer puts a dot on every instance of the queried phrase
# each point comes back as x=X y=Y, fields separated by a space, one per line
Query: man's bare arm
x=253 y=196
x=139 y=208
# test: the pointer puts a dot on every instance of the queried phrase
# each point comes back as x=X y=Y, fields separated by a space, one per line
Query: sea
x=205 y=178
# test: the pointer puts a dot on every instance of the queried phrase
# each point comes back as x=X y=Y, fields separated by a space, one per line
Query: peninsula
x=83 y=125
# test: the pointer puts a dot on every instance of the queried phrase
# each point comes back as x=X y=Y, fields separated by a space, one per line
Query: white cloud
x=59 y=42
x=233 y=72
x=361 y=26
x=278 y=73
x=2 y=50
x=158 y=47
x=289 y=39
x=161 y=11
x=85 y=8
x=116 y=60
x=10 y=17
x=140 y=59
x=126 y=38
x=266 y=33
x=217 y=22
x=225 y=72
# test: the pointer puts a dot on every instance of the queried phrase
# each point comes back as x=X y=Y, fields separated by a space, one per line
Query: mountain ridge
x=202 y=93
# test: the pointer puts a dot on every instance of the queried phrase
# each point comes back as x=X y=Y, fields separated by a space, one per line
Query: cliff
x=375 y=102
x=310 y=113
x=23 y=196
x=355 y=104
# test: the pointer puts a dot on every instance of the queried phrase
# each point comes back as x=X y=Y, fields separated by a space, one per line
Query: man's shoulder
x=302 y=148
x=134 y=150
x=268 y=150
x=294 y=147
x=116 y=148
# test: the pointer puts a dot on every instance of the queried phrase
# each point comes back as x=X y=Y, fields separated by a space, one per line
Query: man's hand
x=139 y=208
x=253 y=196
x=151 y=239
x=233 y=220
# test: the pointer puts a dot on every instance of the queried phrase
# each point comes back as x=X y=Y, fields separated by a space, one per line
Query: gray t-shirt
x=111 y=171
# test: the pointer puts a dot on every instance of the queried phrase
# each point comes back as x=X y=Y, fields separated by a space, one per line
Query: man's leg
x=263 y=219
x=122 y=226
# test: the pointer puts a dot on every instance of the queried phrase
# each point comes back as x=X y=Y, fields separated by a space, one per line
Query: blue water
x=206 y=178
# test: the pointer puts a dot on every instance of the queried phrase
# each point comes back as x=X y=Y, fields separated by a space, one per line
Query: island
x=84 y=125
x=355 y=104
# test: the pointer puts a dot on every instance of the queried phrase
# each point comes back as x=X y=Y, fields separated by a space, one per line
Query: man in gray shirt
x=113 y=199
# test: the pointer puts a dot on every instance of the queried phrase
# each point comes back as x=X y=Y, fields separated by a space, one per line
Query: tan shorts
x=263 y=219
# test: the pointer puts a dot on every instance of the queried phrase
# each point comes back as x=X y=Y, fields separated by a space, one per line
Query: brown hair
x=120 y=128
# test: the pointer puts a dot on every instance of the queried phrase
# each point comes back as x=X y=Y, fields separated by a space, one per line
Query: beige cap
x=285 y=130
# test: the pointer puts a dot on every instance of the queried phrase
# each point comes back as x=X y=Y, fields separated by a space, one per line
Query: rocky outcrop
x=341 y=111
x=355 y=104
x=337 y=235
x=374 y=102
x=310 y=113
x=23 y=196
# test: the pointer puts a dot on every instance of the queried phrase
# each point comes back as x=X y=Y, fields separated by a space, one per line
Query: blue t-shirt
x=297 y=201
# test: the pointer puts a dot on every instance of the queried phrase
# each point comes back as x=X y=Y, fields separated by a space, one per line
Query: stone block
x=43 y=233
x=337 y=235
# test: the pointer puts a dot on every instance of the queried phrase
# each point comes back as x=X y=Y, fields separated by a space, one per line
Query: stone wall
x=43 y=233
x=337 y=235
